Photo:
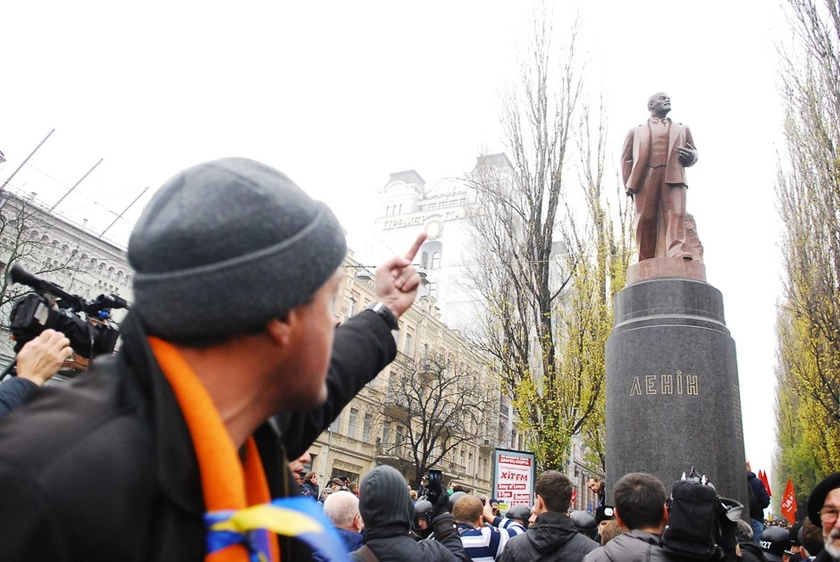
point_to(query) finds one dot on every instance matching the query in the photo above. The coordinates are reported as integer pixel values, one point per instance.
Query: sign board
(514, 475)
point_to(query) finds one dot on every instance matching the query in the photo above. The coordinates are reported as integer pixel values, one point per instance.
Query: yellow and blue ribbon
(298, 517)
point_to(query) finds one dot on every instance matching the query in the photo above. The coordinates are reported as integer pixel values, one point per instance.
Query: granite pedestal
(673, 398)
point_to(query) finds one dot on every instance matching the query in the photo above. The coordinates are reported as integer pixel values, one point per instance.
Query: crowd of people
(383, 520)
(178, 447)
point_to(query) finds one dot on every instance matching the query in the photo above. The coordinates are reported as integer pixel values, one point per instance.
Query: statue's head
(659, 104)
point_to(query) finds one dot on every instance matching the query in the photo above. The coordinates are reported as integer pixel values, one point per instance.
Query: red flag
(763, 477)
(789, 503)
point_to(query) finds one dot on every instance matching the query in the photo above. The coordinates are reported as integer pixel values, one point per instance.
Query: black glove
(441, 505)
(444, 526)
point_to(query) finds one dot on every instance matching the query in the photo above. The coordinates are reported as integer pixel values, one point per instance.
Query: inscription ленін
(665, 384)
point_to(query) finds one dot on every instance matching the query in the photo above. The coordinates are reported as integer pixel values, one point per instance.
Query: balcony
(398, 456)
(395, 405)
(456, 469)
(404, 362)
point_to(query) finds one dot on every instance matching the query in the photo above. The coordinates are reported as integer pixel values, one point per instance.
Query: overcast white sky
(341, 94)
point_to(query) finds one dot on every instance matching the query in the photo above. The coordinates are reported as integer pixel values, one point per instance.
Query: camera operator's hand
(441, 505)
(487, 513)
(397, 280)
(41, 357)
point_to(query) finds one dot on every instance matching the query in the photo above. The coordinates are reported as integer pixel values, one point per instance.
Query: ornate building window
(386, 433)
(366, 425)
(430, 255)
(409, 340)
(352, 422)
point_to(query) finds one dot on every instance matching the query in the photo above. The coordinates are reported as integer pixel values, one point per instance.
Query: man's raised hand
(397, 280)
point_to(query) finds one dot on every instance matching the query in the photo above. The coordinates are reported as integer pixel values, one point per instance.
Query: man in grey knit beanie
(236, 270)
(226, 246)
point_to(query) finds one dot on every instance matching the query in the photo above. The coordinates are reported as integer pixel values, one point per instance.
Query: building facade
(408, 204)
(373, 429)
(57, 251)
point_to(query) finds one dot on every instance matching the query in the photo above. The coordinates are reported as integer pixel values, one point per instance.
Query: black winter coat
(824, 556)
(759, 499)
(103, 468)
(551, 538)
(751, 552)
(406, 549)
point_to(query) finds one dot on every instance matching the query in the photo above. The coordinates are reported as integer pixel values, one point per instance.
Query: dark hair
(639, 500)
(555, 489)
(812, 537)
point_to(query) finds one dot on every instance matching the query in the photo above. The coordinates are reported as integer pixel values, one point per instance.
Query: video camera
(51, 307)
(434, 487)
(424, 509)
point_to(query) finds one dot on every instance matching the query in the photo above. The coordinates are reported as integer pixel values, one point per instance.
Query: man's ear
(280, 330)
(618, 518)
(665, 515)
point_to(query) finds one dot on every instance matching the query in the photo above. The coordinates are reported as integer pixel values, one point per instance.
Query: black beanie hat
(818, 494)
(604, 513)
(384, 503)
(225, 246)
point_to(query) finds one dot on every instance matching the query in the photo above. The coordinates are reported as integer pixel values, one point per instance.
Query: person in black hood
(388, 512)
(553, 536)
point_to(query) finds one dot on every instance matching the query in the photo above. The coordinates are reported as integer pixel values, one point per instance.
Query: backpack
(699, 527)
(692, 531)
(757, 503)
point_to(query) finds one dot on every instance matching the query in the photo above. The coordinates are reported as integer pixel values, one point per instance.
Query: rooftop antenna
(22, 164)
(124, 211)
(69, 191)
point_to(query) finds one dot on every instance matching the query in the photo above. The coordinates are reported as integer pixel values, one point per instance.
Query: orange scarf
(226, 484)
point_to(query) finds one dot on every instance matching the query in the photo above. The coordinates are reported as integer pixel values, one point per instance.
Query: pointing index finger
(416, 246)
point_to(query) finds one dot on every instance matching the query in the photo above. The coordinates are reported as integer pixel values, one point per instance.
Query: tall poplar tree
(550, 253)
(808, 191)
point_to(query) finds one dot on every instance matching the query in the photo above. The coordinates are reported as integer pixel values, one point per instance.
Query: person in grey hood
(553, 536)
(388, 511)
(639, 507)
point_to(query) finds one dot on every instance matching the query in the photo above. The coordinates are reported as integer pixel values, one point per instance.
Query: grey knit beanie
(225, 246)
(384, 503)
